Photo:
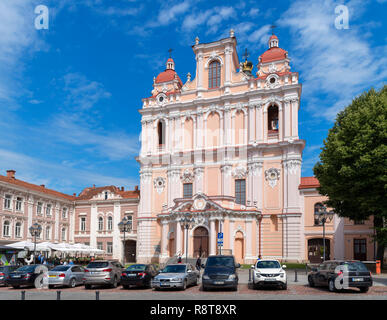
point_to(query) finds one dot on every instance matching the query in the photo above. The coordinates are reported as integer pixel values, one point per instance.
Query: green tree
(353, 163)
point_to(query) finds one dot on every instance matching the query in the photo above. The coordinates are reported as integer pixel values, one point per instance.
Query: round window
(272, 80)
(161, 99)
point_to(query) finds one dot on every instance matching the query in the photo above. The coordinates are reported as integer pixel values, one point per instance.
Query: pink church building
(220, 154)
(222, 151)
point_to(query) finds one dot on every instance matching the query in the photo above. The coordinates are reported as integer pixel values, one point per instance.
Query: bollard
(23, 295)
(58, 295)
(97, 295)
(295, 275)
(378, 267)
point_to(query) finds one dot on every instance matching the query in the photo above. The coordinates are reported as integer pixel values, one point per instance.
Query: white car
(269, 272)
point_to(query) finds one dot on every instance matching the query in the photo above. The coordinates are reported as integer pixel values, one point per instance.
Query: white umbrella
(44, 246)
(21, 245)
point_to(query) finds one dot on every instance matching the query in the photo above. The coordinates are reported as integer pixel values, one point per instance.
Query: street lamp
(187, 222)
(322, 215)
(125, 226)
(35, 231)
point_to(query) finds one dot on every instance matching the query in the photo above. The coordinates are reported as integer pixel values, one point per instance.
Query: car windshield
(136, 267)
(268, 265)
(220, 262)
(60, 268)
(102, 264)
(26, 269)
(174, 269)
(355, 266)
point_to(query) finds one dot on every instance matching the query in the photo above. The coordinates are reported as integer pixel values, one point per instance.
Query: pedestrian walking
(179, 258)
(198, 263)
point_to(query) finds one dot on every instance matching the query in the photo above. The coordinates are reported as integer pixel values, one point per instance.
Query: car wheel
(364, 289)
(88, 286)
(331, 285)
(285, 286)
(125, 286)
(184, 284)
(72, 283)
(311, 281)
(15, 287)
(235, 288)
(115, 283)
(196, 281)
(204, 288)
(51, 286)
(39, 282)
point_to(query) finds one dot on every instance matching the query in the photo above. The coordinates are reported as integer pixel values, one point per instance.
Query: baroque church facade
(220, 156)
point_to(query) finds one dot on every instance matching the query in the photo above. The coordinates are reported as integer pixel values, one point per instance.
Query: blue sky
(69, 95)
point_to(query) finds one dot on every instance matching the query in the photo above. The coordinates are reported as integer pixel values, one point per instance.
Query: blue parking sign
(220, 235)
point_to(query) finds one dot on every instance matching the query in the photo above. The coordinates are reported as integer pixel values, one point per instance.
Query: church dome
(274, 53)
(169, 74)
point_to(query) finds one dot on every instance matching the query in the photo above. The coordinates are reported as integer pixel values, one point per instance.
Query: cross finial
(272, 27)
(246, 54)
(170, 52)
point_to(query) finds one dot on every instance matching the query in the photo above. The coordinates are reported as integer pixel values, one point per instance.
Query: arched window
(161, 133)
(272, 118)
(6, 228)
(48, 233)
(317, 208)
(18, 230)
(214, 75)
(110, 223)
(100, 224)
(63, 234)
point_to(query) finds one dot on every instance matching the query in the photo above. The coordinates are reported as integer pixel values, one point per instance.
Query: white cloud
(337, 64)
(82, 93)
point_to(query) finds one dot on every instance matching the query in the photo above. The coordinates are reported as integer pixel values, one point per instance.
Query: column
(212, 237)
(295, 118)
(264, 123)
(287, 121)
(280, 123)
(249, 238)
(55, 207)
(93, 225)
(164, 239)
(231, 235)
(178, 237)
(29, 219)
(259, 124)
(251, 127)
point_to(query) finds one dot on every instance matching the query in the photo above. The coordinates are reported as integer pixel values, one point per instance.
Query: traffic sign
(220, 235)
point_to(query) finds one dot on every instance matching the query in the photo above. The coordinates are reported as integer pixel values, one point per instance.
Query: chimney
(74, 194)
(11, 174)
(122, 188)
(42, 185)
(93, 186)
(135, 188)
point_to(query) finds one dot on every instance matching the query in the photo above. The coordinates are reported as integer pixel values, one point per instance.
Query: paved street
(296, 290)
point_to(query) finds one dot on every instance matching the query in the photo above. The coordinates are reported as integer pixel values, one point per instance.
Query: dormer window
(214, 75)
(106, 195)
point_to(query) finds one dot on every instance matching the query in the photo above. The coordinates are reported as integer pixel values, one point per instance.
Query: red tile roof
(35, 187)
(90, 192)
(168, 75)
(308, 182)
(273, 54)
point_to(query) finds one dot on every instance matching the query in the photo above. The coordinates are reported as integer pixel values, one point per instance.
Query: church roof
(89, 193)
(168, 75)
(273, 54)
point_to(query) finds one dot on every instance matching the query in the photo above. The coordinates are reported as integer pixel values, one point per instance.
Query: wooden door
(200, 242)
(360, 249)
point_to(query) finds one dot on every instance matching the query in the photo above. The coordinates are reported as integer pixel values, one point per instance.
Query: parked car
(139, 275)
(103, 272)
(30, 275)
(269, 272)
(178, 276)
(69, 275)
(220, 272)
(4, 272)
(325, 274)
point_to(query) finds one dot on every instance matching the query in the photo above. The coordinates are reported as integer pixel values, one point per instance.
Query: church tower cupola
(170, 64)
(273, 41)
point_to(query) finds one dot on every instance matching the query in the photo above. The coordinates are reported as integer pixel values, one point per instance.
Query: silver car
(103, 272)
(69, 275)
(178, 276)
